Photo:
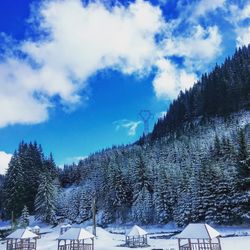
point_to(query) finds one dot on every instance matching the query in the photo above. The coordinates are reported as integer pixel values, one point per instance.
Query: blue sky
(74, 75)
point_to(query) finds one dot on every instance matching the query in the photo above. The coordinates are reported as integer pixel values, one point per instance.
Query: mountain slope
(224, 91)
(195, 166)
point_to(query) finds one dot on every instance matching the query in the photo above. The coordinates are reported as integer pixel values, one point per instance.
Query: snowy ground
(111, 241)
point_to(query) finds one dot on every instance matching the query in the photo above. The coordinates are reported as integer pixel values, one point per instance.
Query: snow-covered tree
(164, 196)
(74, 204)
(14, 189)
(24, 219)
(243, 178)
(45, 200)
(22, 178)
(142, 208)
(85, 208)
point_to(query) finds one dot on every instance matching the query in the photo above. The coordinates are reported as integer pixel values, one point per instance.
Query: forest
(193, 167)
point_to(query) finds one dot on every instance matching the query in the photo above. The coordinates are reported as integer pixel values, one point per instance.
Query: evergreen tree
(142, 208)
(1, 195)
(217, 147)
(243, 174)
(183, 207)
(45, 200)
(85, 208)
(50, 167)
(14, 189)
(31, 157)
(211, 180)
(243, 160)
(74, 205)
(163, 197)
(24, 219)
(22, 178)
(142, 177)
(121, 198)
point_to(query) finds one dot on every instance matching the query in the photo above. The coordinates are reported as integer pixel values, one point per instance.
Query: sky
(74, 74)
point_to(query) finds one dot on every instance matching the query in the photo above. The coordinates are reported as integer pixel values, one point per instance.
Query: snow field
(109, 241)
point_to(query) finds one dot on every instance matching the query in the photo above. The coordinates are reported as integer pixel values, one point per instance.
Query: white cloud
(237, 14)
(245, 14)
(243, 36)
(81, 40)
(170, 80)
(84, 39)
(4, 161)
(198, 47)
(97, 37)
(16, 98)
(239, 17)
(130, 126)
(205, 6)
(198, 44)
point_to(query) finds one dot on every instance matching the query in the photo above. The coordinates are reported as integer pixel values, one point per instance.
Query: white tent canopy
(198, 231)
(76, 234)
(22, 234)
(137, 231)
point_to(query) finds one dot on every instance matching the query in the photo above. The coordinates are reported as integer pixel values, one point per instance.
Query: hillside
(194, 166)
(222, 92)
(193, 178)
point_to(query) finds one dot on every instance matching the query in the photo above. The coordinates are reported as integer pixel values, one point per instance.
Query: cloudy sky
(74, 75)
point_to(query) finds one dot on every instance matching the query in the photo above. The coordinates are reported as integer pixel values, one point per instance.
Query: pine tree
(50, 167)
(243, 171)
(14, 189)
(183, 207)
(142, 208)
(85, 204)
(142, 177)
(24, 219)
(74, 204)
(196, 195)
(217, 147)
(45, 200)
(1, 195)
(22, 178)
(31, 157)
(163, 197)
(211, 192)
(121, 197)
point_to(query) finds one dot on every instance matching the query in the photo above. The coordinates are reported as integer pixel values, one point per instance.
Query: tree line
(180, 181)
